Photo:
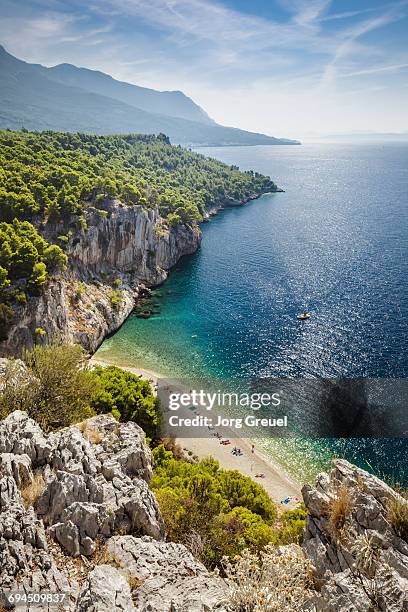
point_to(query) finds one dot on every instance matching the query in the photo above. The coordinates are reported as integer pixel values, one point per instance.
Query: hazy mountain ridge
(40, 98)
(172, 103)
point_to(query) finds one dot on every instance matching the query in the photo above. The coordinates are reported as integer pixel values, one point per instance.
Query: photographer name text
(236, 423)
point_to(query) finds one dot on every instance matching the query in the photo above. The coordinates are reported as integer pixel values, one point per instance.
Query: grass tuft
(339, 509)
(32, 491)
(398, 516)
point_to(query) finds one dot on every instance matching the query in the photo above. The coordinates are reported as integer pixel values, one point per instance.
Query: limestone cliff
(112, 258)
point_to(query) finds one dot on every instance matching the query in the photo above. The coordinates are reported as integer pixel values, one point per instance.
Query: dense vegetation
(26, 260)
(216, 512)
(48, 178)
(127, 397)
(25, 257)
(57, 388)
(58, 174)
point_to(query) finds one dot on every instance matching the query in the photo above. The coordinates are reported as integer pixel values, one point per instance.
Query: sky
(294, 68)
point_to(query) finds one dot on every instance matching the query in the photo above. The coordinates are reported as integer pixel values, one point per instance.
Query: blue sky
(284, 67)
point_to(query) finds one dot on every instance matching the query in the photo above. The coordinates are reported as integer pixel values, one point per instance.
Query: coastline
(278, 484)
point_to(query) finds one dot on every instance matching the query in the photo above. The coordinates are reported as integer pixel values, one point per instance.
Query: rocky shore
(119, 252)
(115, 255)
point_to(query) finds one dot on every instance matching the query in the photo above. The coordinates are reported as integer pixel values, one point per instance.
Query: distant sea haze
(335, 244)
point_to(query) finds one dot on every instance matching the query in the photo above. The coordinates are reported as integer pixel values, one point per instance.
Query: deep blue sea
(335, 243)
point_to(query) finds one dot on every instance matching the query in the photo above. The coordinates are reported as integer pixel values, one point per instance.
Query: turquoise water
(335, 243)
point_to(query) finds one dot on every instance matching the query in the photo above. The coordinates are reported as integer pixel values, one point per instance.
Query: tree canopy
(48, 179)
(127, 397)
(57, 174)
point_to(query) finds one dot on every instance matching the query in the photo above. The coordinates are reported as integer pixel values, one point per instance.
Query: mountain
(172, 103)
(66, 98)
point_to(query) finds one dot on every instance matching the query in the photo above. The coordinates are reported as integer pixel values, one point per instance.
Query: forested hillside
(50, 178)
(57, 174)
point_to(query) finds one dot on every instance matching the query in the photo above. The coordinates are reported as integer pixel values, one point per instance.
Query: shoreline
(278, 484)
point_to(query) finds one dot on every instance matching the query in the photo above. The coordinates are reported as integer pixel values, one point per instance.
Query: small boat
(304, 316)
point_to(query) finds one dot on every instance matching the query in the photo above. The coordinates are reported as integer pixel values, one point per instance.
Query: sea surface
(336, 244)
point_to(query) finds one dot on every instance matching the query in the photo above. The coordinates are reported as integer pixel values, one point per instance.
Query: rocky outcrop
(105, 589)
(77, 516)
(112, 258)
(169, 576)
(360, 562)
(64, 499)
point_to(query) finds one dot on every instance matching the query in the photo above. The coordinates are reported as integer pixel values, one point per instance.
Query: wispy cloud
(349, 36)
(276, 62)
(350, 14)
(306, 12)
(35, 37)
(376, 70)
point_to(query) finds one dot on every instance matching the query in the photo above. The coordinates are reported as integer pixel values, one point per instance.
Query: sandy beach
(277, 483)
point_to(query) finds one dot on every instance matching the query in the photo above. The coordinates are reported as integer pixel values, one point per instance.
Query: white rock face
(332, 553)
(20, 435)
(127, 240)
(127, 245)
(89, 493)
(170, 578)
(105, 589)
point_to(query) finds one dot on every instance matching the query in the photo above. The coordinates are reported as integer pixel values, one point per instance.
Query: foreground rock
(105, 589)
(65, 496)
(360, 562)
(77, 516)
(169, 576)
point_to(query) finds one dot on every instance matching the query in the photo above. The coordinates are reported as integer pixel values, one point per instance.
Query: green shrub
(127, 397)
(20, 297)
(173, 219)
(55, 258)
(25, 256)
(55, 388)
(38, 278)
(115, 298)
(4, 280)
(223, 510)
(292, 528)
(83, 223)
